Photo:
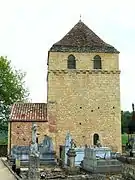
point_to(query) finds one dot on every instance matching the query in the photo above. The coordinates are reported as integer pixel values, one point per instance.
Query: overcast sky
(28, 28)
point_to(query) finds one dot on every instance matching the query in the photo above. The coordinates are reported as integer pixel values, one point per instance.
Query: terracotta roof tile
(29, 112)
(82, 39)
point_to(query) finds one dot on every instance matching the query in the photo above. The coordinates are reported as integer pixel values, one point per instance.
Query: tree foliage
(126, 117)
(12, 89)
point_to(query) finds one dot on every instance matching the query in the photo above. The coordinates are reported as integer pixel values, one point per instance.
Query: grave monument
(65, 148)
(100, 160)
(131, 131)
(34, 162)
(47, 153)
(45, 149)
(71, 155)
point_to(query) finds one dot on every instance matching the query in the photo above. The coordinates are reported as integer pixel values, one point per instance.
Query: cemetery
(38, 161)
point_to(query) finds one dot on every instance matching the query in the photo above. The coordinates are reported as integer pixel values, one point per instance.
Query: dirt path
(5, 174)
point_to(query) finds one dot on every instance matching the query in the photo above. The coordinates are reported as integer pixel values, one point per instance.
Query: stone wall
(87, 100)
(84, 61)
(21, 133)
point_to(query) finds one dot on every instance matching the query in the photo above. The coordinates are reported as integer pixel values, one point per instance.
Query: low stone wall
(3, 150)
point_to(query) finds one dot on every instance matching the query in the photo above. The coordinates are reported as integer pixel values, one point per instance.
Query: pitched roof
(29, 112)
(82, 39)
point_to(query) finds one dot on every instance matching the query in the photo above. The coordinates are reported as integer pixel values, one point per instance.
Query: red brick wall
(21, 132)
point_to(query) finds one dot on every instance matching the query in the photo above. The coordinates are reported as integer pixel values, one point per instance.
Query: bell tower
(84, 82)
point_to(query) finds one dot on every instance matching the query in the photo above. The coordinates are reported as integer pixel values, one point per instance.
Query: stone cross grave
(33, 172)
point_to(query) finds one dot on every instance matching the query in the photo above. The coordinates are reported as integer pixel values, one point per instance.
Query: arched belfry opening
(95, 139)
(97, 62)
(71, 63)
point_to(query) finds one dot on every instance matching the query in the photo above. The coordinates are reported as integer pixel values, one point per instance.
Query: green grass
(124, 138)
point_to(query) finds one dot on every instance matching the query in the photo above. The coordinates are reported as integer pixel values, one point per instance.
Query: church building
(83, 85)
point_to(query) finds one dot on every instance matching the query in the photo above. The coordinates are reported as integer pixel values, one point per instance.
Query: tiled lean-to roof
(29, 112)
(82, 39)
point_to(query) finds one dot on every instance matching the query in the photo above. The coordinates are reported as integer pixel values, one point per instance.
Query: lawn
(124, 138)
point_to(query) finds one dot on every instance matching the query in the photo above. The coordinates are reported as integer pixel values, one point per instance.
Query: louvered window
(97, 62)
(71, 63)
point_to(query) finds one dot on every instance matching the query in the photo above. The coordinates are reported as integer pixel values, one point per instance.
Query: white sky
(28, 28)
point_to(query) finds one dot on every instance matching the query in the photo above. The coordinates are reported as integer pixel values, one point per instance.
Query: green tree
(12, 89)
(126, 117)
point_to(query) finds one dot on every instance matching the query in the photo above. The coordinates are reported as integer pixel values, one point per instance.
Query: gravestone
(45, 148)
(131, 129)
(47, 153)
(71, 155)
(99, 160)
(79, 155)
(21, 152)
(68, 139)
(33, 172)
(65, 148)
(71, 169)
(67, 145)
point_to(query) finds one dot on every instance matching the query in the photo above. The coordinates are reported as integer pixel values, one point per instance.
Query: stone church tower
(84, 89)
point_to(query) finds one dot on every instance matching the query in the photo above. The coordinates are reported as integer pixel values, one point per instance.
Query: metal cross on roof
(133, 106)
(80, 17)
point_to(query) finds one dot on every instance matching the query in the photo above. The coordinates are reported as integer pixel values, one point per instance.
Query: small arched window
(71, 63)
(97, 62)
(95, 139)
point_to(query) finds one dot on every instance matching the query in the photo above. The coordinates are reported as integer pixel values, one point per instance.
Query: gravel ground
(5, 174)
